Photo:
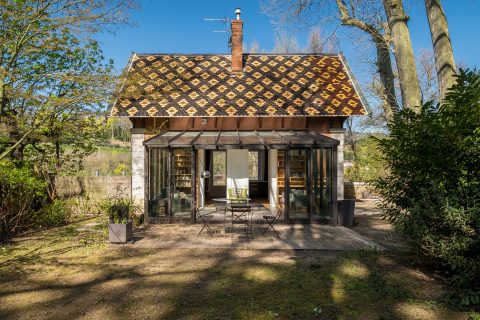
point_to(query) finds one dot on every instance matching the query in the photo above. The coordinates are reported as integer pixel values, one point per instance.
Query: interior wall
(237, 169)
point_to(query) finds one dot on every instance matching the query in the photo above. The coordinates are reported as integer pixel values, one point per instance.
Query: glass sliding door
(322, 184)
(299, 195)
(159, 184)
(181, 183)
(170, 188)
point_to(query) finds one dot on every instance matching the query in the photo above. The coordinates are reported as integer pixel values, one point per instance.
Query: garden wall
(98, 187)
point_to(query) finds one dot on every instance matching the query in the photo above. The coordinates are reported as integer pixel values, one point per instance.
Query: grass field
(70, 273)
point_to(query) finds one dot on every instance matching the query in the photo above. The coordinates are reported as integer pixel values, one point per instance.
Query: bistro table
(225, 204)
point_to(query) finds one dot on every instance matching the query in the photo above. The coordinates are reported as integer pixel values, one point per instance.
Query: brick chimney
(236, 43)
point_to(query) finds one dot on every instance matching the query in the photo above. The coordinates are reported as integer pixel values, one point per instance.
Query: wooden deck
(296, 236)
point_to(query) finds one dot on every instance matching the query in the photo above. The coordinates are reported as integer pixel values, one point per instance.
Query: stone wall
(358, 190)
(138, 166)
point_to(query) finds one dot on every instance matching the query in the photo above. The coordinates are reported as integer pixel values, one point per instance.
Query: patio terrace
(228, 236)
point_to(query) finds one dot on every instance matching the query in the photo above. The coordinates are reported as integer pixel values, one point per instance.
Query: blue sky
(165, 26)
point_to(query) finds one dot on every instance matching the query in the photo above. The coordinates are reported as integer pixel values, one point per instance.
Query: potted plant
(119, 210)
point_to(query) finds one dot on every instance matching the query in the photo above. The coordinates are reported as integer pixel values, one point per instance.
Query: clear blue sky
(169, 26)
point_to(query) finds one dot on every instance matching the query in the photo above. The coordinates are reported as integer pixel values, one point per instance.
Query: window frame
(260, 165)
(213, 169)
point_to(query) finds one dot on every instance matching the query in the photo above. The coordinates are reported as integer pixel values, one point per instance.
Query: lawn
(67, 273)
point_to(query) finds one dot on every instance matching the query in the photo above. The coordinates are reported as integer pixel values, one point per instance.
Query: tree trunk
(384, 65)
(403, 51)
(384, 62)
(442, 46)
(2, 94)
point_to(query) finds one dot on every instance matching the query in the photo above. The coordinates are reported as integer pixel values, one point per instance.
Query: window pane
(299, 195)
(219, 168)
(323, 184)
(253, 165)
(182, 188)
(159, 186)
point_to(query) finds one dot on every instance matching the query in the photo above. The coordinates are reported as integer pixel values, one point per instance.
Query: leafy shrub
(54, 214)
(21, 195)
(119, 208)
(432, 191)
(368, 164)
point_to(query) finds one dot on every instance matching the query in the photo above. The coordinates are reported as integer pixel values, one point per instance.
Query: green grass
(67, 273)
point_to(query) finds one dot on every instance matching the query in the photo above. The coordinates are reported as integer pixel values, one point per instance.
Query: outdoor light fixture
(205, 174)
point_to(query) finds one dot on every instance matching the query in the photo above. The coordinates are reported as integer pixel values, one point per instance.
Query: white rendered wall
(237, 169)
(138, 166)
(272, 178)
(201, 168)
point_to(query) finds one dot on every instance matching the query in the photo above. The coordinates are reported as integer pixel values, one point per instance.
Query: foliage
(55, 82)
(119, 208)
(107, 159)
(368, 162)
(21, 195)
(432, 191)
(84, 205)
(120, 169)
(53, 214)
(119, 129)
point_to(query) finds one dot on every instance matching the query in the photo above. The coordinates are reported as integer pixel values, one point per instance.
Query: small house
(268, 127)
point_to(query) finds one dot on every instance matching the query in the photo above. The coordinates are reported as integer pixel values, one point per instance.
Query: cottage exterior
(265, 126)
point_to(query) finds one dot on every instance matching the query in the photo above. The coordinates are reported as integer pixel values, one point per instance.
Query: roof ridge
(245, 54)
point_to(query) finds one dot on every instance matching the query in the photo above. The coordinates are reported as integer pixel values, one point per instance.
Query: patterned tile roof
(270, 85)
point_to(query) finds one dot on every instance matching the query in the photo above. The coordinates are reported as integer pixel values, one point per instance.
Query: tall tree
(317, 43)
(285, 43)
(403, 51)
(366, 16)
(442, 46)
(383, 60)
(49, 65)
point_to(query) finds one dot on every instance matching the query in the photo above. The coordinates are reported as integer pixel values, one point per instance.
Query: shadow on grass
(124, 283)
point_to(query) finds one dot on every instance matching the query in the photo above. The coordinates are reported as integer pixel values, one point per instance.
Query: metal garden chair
(271, 220)
(205, 219)
(240, 214)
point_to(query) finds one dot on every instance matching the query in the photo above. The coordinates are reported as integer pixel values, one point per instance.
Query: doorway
(218, 164)
(308, 183)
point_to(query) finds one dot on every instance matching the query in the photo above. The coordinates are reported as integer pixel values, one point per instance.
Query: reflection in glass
(299, 197)
(181, 182)
(253, 165)
(322, 184)
(159, 185)
(177, 188)
(219, 168)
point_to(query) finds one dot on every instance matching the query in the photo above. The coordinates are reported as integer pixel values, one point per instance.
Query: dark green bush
(432, 191)
(21, 195)
(53, 214)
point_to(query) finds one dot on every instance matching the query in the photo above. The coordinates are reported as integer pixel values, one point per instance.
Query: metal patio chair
(271, 220)
(205, 219)
(241, 214)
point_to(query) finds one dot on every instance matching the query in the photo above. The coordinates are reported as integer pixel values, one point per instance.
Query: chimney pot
(237, 43)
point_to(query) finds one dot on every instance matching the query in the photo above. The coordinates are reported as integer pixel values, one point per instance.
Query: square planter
(346, 210)
(120, 232)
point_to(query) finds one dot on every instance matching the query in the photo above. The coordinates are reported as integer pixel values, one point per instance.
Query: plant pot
(346, 210)
(120, 232)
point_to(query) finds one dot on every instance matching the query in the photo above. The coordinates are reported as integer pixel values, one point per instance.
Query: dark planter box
(120, 232)
(346, 210)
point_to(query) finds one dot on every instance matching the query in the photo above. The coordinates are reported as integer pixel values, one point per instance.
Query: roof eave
(121, 85)
(356, 85)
